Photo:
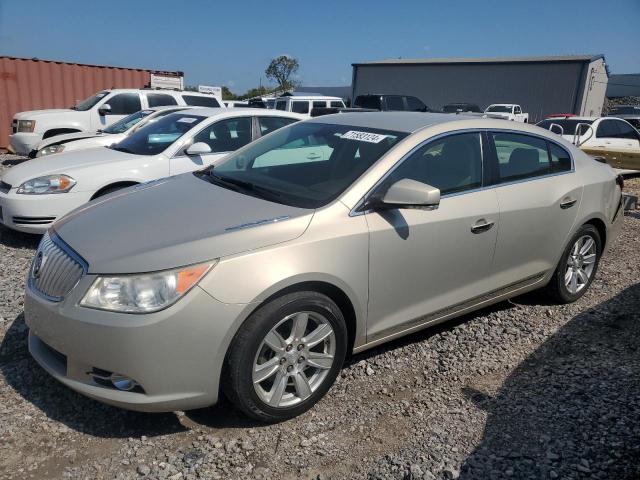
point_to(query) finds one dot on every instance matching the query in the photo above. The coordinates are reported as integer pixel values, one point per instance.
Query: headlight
(47, 184)
(26, 125)
(143, 293)
(51, 149)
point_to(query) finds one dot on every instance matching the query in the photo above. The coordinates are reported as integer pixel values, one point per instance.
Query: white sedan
(37, 192)
(102, 138)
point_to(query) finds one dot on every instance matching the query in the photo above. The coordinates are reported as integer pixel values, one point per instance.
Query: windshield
(126, 123)
(91, 101)
(499, 108)
(367, 101)
(568, 125)
(307, 164)
(158, 135)
(625, 111)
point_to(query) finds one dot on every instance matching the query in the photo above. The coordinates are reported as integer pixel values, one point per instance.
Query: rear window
(625, 111)
(198, 101)
(367, 101)
(568, 125)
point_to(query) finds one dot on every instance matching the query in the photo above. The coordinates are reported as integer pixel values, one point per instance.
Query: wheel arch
(118, 184)
(52, 132)
(601, 227)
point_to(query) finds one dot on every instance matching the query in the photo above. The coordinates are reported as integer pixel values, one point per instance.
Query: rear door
(539, 196)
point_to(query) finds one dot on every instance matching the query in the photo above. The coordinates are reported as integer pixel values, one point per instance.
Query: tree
(228, 94)
(280, 69)
(255, 92)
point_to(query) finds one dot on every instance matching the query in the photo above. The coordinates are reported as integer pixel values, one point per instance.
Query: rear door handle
(568, 202)
(481, 226)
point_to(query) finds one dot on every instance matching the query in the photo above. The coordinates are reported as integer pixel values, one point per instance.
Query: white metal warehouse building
(541, 85)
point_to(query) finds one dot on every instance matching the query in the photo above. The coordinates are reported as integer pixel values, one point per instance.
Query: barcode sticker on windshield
(363, 136)
(187, 120)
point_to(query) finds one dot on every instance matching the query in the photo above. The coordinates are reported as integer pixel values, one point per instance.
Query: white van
(96, 113)
(304, 104)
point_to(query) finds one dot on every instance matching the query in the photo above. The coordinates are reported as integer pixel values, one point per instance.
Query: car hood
(173, 222)
(34, 114)
(95, 141)
(62, 163)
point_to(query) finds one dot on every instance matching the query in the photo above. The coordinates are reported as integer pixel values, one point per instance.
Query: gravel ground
(523, 389)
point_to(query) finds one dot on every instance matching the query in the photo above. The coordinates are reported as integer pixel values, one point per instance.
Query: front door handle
(568, 202)
(481, 225)
(313, 156)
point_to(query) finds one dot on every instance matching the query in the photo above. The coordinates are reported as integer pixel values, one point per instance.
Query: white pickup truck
(507, 111)
(96, 113)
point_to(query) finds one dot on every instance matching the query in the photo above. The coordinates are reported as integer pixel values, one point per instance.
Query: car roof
(309, 97)
(408, 122)
(212, 111)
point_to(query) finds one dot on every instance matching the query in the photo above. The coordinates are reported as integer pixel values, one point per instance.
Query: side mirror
(198, 148)
(104, 109)
(407, 193)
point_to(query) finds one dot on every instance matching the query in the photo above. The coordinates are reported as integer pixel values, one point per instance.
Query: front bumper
(175, 355)
(23, 142)
(36, 213)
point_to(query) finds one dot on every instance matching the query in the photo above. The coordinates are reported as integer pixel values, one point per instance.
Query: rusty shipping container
(33, 84)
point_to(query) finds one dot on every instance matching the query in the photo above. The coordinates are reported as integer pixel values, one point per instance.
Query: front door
(427, 263)
(223, 137)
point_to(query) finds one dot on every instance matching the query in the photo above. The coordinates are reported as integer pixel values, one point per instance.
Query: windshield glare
(158, 135)
(499, 109)
(308, 165)
(91, 101)
(126, 123)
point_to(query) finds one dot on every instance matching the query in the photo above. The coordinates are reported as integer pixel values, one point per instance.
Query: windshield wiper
(120, 149)
(243, 184)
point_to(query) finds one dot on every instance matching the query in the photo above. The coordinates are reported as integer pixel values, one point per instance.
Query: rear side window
(626, 131)
(337, 104)
(520, 156)
(453, 164)
(415, 105)
(560, 159)
(124, 103)
(281, 105)
(318, 104)
(198, 101)
(160, 99)
(395, 103)
(300, 106)
(607, 129)
(270, 124)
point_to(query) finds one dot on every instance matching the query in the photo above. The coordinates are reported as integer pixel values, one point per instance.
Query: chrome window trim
(356, 212)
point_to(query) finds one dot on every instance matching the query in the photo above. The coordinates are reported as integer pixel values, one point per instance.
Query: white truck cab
(304, 104)
(95, 113)
(508, 111)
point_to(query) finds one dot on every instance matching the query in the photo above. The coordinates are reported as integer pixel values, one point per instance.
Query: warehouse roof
(35, 59)
(436, 61)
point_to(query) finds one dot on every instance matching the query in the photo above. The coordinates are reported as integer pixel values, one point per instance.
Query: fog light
(123, 383)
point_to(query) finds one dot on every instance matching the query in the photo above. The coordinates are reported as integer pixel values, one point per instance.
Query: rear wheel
(286, 356)
(577, 267)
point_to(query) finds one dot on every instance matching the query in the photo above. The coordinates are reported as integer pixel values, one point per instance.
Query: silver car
(257, 277)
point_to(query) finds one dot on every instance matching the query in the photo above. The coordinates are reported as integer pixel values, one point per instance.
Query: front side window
(160, 99)
(126, 123)
(368, 101)
(91, 101)
(415, 105)
(520, 156)
(271, 124)
(200, 101)
(281, 105)
(395, 103)
(226, 135)
(452, 164)
(158, 135)
(307, 164)
(626, 131)
(124, 103)
(300, 106)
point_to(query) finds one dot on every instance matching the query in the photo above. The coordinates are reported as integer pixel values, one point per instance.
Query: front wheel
(577, 267)
(286, 356)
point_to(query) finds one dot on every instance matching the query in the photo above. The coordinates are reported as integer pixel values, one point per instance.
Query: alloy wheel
(580, 264)
(294, 359)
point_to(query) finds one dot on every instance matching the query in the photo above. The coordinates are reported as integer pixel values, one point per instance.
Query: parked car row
(247, 252)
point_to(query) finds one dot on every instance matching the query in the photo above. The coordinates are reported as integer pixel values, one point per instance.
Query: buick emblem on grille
(37, 265)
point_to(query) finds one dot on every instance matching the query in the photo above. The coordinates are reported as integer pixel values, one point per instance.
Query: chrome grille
(55, 269)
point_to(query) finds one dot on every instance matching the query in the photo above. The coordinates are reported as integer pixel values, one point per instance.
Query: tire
(249, 349)
(558, 289)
